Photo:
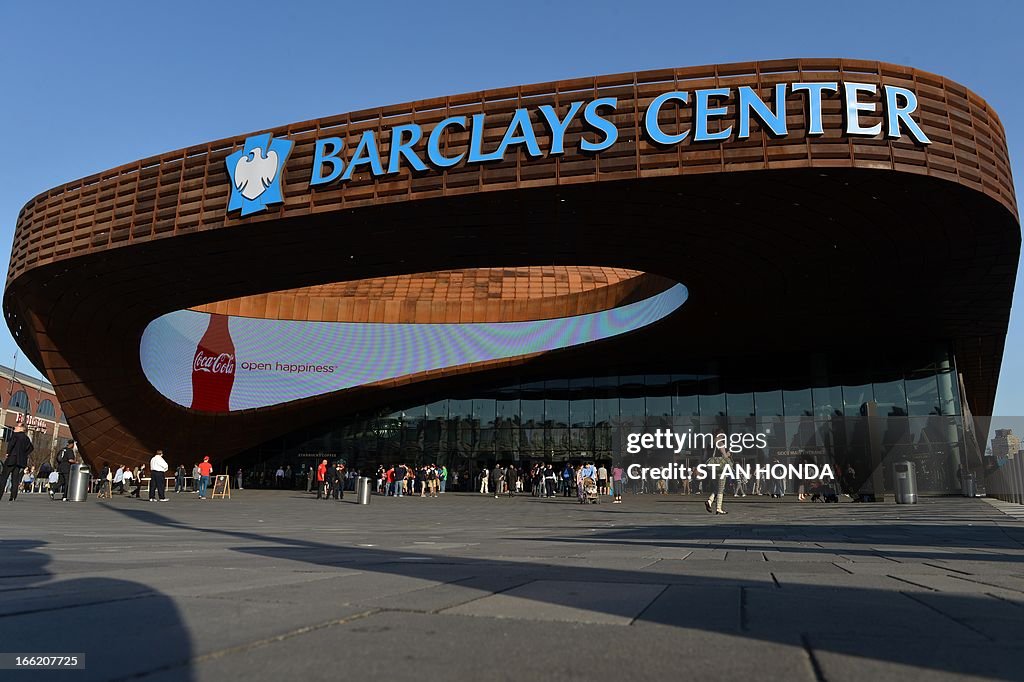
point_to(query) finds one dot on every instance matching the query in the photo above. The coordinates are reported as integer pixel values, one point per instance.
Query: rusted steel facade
(787, 235)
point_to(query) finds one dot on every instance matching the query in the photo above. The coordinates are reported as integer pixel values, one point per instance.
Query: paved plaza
(275, 585)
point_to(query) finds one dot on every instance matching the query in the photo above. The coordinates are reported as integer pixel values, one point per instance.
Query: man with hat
(205, 469)
(338, 480)
(65, 458)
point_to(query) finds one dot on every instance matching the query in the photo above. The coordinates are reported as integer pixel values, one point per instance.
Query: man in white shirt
(158, 477)
(126, 480)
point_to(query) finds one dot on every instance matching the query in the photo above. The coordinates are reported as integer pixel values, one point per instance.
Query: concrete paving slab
(471, 648)
(913, 658)
(272, 583)
(574, 602)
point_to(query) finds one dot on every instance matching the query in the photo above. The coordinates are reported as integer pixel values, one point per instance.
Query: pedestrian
(106, 476)
(602, 480)
(125, 478)
(511, 480)
(338, 481)
(719, 458)
(158, 477)
(550, 480)
(179, 479)
(65, 458)
(443, 478)
(567, 476)
(741, 483)
(279, 477)
(238, 479)
(322, 481)
(27, 480)
(205, 469)
(778, 485)
(19, 447)
(119, 479)
(484, 480)
(140, 472)
(497, 476)
(42, 476)
(617, 482)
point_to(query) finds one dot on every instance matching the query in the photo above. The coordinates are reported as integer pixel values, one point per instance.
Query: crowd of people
(587, 481)
(537, 480)
(127, 480)
(402, 480)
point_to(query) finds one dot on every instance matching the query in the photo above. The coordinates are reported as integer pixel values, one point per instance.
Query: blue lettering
(434, 143)
(476, 141)
(558, 126)
(365, 154)
(705, 112)
(814, 91)
(896, 113)
(322, 155)
(400, 148)
(520, 122)
(854, 107)
(651, 125)
(750, 102)
(593, 119)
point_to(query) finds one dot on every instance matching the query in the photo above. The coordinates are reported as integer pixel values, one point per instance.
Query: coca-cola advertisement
(213, 368)
(218, 363)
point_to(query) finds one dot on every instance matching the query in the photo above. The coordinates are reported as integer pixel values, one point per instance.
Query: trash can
(905, 477)
(78, 484)
(970, 485)
(363, 490)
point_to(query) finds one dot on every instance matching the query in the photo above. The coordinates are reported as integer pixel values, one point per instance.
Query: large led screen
(216, 363)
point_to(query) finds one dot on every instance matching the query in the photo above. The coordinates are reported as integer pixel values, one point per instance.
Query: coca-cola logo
(216, 364)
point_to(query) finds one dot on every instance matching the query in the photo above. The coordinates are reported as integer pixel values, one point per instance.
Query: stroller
(589, 491)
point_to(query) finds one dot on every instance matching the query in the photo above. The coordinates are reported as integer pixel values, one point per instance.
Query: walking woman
(719, 457)
(106, 478)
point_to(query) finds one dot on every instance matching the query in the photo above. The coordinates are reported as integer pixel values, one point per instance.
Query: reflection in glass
(712, 405)
(768, 403)
(923, 396)
(855, 399)
(798, 403)
(828, 401)
(570, 419)
(892, 401)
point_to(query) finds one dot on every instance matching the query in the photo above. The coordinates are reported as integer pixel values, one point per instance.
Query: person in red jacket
(321, 480)
(205, 469)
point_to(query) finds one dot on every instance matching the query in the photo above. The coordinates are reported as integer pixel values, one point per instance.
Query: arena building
(794, 247)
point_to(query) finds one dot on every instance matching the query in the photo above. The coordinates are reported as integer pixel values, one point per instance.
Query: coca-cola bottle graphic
(213, 368)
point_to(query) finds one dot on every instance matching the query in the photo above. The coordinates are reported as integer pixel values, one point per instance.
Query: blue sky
(90, 86)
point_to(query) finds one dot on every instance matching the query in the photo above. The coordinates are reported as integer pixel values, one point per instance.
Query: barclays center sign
(256, 169)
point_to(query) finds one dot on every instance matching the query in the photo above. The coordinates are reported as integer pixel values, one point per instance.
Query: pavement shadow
(943, 541)
(97, 617)
(864, 623)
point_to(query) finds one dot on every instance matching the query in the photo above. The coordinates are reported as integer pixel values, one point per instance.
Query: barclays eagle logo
(255, 172)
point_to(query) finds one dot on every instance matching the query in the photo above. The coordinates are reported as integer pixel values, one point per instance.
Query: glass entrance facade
(919, 418)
